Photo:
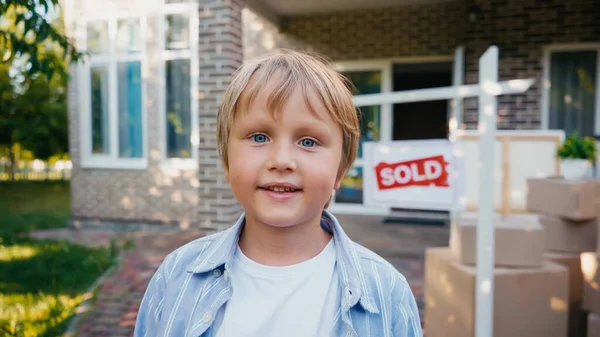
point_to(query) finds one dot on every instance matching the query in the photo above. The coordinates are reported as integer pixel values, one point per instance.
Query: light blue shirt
(187, 294)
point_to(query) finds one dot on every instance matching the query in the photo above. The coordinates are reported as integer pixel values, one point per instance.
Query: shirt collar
(353, 278)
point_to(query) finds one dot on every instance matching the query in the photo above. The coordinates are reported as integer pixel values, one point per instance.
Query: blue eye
(307, 142)
(259, 138)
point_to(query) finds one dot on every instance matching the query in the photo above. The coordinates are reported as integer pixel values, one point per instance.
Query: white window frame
(545, 104)
(191, 9)
(112, 159)
(387, 116)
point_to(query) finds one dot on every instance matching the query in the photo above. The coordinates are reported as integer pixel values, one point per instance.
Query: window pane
(351, 189)
(178, 31)
(97, 37)
(130, 109)
(178, 109)
(100, 117)
(572, 91)
(129, 39)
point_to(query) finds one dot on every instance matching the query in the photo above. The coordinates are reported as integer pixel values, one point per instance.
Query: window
(113, 123)
(179, 72)
(571, 101)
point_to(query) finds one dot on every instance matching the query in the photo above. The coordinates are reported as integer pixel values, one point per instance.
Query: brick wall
(261, 36)
(520, 29)
(417, 30)
(150, 195)
(220, 55)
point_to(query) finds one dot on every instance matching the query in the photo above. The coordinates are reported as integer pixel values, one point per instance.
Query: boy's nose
(281, 158)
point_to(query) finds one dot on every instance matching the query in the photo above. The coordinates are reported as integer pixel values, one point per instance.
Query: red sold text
(418, 172)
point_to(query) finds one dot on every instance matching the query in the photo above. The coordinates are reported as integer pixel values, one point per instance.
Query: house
(142, 108)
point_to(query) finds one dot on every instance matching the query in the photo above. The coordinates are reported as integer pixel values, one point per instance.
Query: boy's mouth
(280, 188)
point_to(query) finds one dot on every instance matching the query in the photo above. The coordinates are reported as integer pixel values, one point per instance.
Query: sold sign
(419, 172)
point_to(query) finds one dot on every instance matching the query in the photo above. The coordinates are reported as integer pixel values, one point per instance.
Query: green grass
(41, 282)
(25, 206)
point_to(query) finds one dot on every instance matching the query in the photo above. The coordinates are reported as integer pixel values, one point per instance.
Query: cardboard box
(571, 199)
(527, 302)
(577, 316)
(563, 235)
(590, 268)
(519, 241)
(593, 325)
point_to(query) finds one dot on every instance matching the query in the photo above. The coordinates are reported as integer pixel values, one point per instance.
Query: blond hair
(298, 69)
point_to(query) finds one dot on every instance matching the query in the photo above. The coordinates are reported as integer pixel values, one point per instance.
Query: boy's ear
(226, 171)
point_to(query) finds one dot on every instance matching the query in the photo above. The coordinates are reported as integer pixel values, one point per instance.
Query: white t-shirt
(298, 300)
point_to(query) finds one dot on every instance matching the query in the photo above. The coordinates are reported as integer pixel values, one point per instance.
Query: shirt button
(217, 272)
(207, 317)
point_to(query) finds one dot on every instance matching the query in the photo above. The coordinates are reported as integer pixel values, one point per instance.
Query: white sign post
(487, 90)
(484, 296)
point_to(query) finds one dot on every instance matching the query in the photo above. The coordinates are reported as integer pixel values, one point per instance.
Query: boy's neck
(282, 246)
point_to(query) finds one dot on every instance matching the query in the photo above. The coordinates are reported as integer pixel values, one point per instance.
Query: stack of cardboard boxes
(568, 212)
(547, 267)
(530, 292)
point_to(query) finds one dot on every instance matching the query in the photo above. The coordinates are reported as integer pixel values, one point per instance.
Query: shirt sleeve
(150, 311)
(408, 322)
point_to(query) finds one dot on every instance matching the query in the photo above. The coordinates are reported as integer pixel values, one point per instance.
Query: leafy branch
(27, 32)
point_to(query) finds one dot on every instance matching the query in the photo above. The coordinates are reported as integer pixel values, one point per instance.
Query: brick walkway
(121, 293)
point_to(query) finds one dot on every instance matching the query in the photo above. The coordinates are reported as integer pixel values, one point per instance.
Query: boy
(287, 133)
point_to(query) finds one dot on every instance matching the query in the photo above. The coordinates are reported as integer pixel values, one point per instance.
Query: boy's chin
(282, 219)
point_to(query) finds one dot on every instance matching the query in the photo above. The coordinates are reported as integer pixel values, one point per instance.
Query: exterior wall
(520, 29)
(416, 30)
(149, 195)
(420, 30)
(221, 53)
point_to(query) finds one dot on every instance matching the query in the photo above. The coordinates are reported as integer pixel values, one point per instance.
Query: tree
(33, 82)
(26, 27)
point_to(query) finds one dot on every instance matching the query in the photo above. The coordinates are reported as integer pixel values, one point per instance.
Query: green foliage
(33, 112)
(34, 54)
(577, 147)
(42, 109)
(28, 32)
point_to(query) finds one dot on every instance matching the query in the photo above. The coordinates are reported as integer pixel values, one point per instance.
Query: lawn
(41, 282)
